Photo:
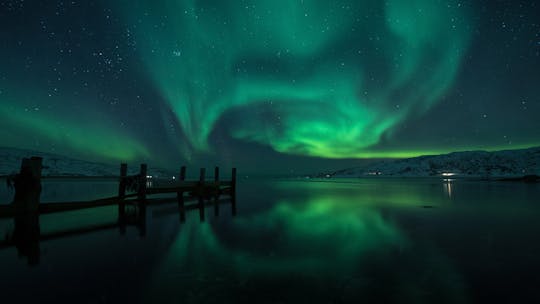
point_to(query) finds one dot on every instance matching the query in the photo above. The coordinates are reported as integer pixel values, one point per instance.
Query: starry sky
(268, 85)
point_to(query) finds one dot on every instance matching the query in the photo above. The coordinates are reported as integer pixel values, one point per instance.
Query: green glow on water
(328, 235)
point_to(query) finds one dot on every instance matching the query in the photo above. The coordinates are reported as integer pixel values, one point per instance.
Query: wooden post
(201, 194)
(122, 190)
(26, 205)
(217, 191)
(201, 182)
(142, 183)
(182, 215)
(183, 173)
(201, 212)
(141, 220)
(233, 205)
(202, 176)
(233, 182)
(28, 186)
(141, 215)
(180, 195)
(26, 236)
(216, 183)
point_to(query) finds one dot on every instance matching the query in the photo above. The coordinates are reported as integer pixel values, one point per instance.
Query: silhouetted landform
(26, 207)
(533, 178)
(62, 166)
(522, 164)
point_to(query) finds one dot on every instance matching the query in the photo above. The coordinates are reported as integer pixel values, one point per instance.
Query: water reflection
(25, 237)
(322, 242)
(323, 248)
(447, 186)
(26, 233)
(328, 227)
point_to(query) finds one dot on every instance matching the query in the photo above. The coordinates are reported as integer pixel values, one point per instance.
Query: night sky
(268, 84)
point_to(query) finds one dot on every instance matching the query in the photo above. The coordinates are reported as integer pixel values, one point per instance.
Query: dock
(27, 186)
(135, 193)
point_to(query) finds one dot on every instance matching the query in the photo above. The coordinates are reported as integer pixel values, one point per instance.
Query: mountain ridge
(503, 163)
(59, 165)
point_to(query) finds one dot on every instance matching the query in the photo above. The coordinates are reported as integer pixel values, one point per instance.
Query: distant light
(448, 174)
(173, 178)
(327, 175)
(149, 176)
(374, 173)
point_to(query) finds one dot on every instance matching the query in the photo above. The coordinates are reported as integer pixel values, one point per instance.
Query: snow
(58, 165)
(507, 163)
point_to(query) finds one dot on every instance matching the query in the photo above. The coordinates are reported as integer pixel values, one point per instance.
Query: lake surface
(292, 241)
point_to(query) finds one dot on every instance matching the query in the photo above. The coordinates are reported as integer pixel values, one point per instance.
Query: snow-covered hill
(507, 163)
(58, 165)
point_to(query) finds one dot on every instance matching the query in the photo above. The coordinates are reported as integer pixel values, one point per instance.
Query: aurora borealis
(279, 82)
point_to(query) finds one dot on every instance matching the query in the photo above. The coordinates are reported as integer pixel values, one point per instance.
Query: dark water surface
(370, 241)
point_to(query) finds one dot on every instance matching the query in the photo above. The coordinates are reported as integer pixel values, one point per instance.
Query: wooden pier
(135, 193)
(27, 186)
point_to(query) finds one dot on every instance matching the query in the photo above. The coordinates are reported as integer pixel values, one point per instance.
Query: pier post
(201, 194)
(122, 190)
(217, 191)
(142, 200)
(142, 183)
(183, 173)
(26, 236)
(233, 182)
(26, 206)
(201, 213)
(233, 206)
(141, 221)
(180, 195)
(216, 183)
(28, 186)
(201, 182)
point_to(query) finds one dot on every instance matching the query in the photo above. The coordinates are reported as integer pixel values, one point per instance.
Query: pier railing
(27, 186)
(26, 207)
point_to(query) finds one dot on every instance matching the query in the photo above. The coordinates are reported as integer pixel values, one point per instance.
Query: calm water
(375, 241)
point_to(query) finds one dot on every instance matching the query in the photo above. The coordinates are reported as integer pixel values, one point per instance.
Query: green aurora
(311, 78)
(79, 132)
(273, 81)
